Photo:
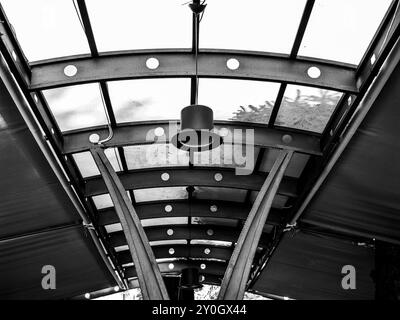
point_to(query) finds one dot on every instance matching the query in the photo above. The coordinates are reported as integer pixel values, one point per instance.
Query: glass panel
(240, 100)
(215, 221)
(46, 28)
(121, 248)
(76, 107)
(307, 108)
(341, 30)
(163, 221)
(155, 194)
(149, 99)
(102, 201)
(212, 242)
(228, 155)
(134, 24)
(155, 155)
(167, 242)
(260, 25)
(88, 167)
(295, 167)
(227, 194)
(113, 227)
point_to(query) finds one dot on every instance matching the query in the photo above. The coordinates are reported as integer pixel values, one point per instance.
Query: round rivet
(314, 72)
(170, 232)
(207, 251)
(168, 208)
(287, 138)
(70, 70)
(232, 64)
(152, 63)
(171, 251)
(87, 295)
(210, 232)
(171, 266)
(218, 177)
(213, 208)
(159, 131)
(165, 176)
(203, 266)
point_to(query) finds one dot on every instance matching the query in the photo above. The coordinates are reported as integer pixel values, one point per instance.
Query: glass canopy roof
(335, 34)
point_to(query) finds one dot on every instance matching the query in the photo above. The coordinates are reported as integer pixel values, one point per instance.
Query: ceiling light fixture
(197, 121)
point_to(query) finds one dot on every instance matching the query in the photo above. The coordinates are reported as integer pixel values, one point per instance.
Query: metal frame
(149, 276)
(236, 275)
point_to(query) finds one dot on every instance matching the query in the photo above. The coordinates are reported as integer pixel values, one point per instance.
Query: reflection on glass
(212, 242)
(102, 201)
(46, 28)
(155, 194)
(241, 100)
(163, 221)
(149, 99)
(88, 167)
(134, 24)
(266, 25)
(167, 242)
(307, 108)
(115, 227)
(341, 30)
(76, 107)
(215, 221)
(155, 155)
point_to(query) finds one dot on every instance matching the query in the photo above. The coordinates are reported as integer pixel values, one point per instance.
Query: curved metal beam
(212, 267)
(211, 63)
(182, 251)
(198, 208)
(182, 232)
(198, 176)
(138, 133)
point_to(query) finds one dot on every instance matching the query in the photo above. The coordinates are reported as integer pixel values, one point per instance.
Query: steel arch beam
(198, 176)
(180, 63)
(212, 267)
(239, 267)
(149, 276)
(182, 251)
(137, 134)
(198, 208)
(182, 232)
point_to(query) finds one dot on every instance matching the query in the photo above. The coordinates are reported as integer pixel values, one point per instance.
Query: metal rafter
(236, 276)
(151, 282)
(212, 63)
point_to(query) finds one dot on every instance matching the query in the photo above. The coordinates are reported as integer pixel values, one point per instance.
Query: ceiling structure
(297, 77)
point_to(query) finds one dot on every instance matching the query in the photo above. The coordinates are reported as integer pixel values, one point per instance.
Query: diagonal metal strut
(237, 273)
(147, 270)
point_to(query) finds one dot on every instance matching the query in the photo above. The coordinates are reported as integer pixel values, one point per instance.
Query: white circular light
(152, 63)
(171, 266)
(170, 232)
(171, 251)
(94, 138)
(203, 266)
(87, 295)
(233, 64)
(116, 288)
(287, 138)
(165, 176)
(70, 70)
(159, 132)
(223, 132)
(314, 72)
(207, 251)
(218, 177)
(168, 208)
(213, 208)
(210, 232)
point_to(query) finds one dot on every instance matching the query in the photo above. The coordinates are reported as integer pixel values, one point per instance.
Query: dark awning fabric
(38, 223)
(68, 250)
(306, 266)
(361, 194)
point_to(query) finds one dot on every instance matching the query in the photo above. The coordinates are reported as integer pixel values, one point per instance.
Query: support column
(237, 273)
(148, 273)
